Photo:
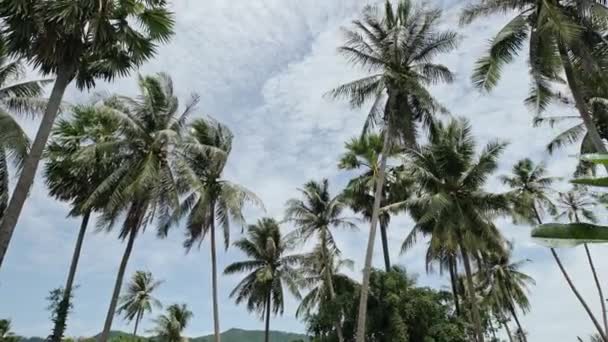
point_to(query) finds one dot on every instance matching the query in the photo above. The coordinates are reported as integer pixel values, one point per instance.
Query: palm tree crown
(169, 326)
(138, 298)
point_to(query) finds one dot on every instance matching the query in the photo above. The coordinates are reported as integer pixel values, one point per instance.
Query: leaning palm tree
(211, 201)
(72, 180)
(75, 41)
(169, 326)
(397, 47)
(270, 270)
(314, 216)
(138, 300)
(530, 189)
(144, 185)
(451, 206)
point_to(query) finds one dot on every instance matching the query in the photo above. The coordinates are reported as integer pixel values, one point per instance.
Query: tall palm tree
(138, 300)
(73, 40)
(169, 327)
(270, 270)
(144, 186)
(70, 179)
(451, 204)
(573, 205)
(559, 35)
(397, 47)
(210, 198)
(530, 189)
(17, 97)
(315, 215)
(363, 153)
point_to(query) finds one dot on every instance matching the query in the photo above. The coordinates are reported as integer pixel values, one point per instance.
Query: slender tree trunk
(137, 318)
(105, 334)
(330, 283)
(58, 330)
(216, 314)
(470, 289)
(385, 250)
(599, 288)
(361, 319)
(30, 165)
(519, 327)
(506, 326)
(267, 327)
(571, 284)
(453, 279)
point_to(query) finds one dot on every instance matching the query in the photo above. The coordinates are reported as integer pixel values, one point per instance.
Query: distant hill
(232, 335)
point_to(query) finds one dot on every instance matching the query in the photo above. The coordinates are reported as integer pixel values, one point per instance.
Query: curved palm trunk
(470, 293)
(361, 319)
(521, 334)
(453, 279)
(506, 326)
(137, 319)
(105, 334)
(267, 325)
(216, 314)
(385, 251)
(58, 329)
(599, 287)
(26, 178)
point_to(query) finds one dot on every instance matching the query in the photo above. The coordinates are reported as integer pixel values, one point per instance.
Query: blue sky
(262, 67)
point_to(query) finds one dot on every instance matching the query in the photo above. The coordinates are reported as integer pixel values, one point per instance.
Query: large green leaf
(569, 235)
(596, 158)
(601, 182)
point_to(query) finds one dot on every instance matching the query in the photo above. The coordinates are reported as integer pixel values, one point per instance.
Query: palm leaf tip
(569, 235)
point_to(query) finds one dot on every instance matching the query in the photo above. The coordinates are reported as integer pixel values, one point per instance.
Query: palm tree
(397, 47)
(73, 40)
(5, 332)
(270, 270)
(138, 298)
(144, 186)
(559, 35)
(452, 206)
(17, 97)
(530, 189)
(210, 198)
(363, 153)
(69, 179)
(315, 215)
(169, 327)
(575, 204)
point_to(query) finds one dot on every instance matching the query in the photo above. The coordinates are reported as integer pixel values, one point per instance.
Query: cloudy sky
(262, 67)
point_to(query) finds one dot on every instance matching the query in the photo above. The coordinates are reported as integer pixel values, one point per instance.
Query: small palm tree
(169, 327)
(74, 40)
(210, 198)
(138, 300)
(270, 270)
(5, 332)
(397, 47)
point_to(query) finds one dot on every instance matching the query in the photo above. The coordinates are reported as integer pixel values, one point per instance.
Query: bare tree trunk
(216, 314)
(30, 165)
(137, 318)
(470, 288)
(268, 306)
(361, 319)
(599, 287)
(330, 283)
(519, 326)
(385, 250)
(506, 326)
(453, 279)
(105, 334)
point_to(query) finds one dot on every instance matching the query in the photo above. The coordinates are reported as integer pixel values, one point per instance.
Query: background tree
(5, 331)
(75, 40)
(270, 269)
(169, 326)
(138, 300)
(397, 47)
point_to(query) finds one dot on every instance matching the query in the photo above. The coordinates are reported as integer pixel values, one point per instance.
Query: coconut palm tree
(70, 179)
(363, 153)
(5, 332)
(169, 326)
(145, 185)
(529, 195)
(314, 216)
(211, 201)
(451, 204)
(270, 269)
(138, 300)
(17, 97)
(397, 48)
(75, 41)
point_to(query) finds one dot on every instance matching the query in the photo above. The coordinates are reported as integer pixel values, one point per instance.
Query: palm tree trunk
(26, 178)
(453, 278)
(599, 288)
(506, 326)
(384, 237)
(105, 334)
(216, 314)
(519, 327)
(267, 327)
(361, 319)
(59, 327)
(137, 318)
(470, 288)
(571, 284)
